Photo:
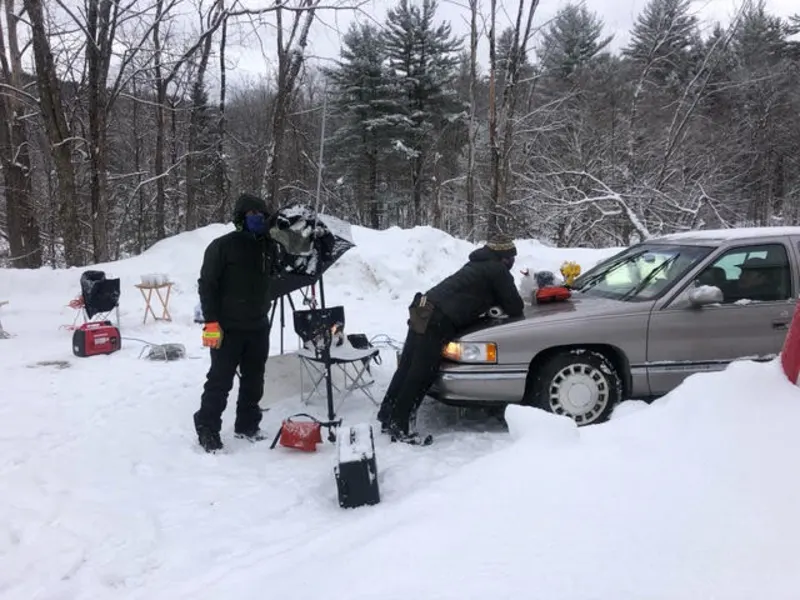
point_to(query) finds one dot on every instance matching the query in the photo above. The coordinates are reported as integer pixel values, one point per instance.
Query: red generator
(95, 338)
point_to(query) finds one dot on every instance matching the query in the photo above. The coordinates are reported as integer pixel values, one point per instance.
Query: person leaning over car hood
(485, 281)
(434, 319)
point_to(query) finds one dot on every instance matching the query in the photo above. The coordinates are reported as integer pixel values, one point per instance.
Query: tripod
(311, 302)
(283, 314)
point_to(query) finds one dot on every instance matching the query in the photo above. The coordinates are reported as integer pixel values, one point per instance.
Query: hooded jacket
(234, 283)
(479, 285)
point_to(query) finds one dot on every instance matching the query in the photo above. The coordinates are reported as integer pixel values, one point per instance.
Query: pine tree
(200, 160)
(572, 40)
(662, 39)
(505, 54)
(761, 41)
(793, 29)
(718, 100)
(763, 105)
(360, 142)
(422, 58)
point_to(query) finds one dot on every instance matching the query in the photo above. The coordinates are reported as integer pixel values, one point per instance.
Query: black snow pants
(248, 350)
(416, 371)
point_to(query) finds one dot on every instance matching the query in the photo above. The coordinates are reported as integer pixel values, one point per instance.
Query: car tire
(581, 384)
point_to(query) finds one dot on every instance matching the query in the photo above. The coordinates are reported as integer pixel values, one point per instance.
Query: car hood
(577, 307)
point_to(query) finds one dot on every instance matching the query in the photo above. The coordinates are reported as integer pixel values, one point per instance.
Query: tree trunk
(12, 188)
(221, 170)
(57, 131)
(174, 174)
(436, 216)
(194, 190)
(100, 30)
(374, 212)
(141, 235)
(161, 98)
(275, 152)
(23, 227)
(215, 19)
(501, 157)
(473, 127)
(494, 150)
(416, 182)
(290, 59)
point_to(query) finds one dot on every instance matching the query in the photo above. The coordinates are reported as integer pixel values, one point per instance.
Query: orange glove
(212, 335)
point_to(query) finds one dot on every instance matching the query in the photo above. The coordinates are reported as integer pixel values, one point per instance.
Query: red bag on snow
(554, 293)
(301, 435)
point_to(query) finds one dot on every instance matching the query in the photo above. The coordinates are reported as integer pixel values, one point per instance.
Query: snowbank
(692, 498)
(375, 279)
(105, 493)
(540, 427)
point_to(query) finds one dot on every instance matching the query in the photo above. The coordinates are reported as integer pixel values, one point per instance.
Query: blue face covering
(255, 223)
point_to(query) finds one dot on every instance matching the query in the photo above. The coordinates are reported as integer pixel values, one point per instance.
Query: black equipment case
(357, 471)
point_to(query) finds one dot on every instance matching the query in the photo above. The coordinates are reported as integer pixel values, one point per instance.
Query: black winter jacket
(479, 285)
(234, 284)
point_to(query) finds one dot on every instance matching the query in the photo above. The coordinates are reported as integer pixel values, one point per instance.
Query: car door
(683, 339)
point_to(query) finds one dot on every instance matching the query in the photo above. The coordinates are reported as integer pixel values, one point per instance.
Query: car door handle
(780, 325)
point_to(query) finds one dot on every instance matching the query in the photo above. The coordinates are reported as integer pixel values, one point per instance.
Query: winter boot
(411, 438)
(209, 440)
(251, 436)
(384, 417)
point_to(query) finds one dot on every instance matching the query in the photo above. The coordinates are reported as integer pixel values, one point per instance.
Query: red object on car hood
(554, 293)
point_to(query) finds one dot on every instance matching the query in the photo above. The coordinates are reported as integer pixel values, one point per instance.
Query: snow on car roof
(720, 235)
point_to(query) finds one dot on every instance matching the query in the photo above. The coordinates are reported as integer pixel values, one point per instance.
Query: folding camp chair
(349, 355)
(99, 298)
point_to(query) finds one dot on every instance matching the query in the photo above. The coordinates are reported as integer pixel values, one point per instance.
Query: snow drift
(690, 498)
(106, 495)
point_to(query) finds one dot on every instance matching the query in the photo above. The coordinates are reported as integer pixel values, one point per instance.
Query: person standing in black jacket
(435, 318)
(234, 288)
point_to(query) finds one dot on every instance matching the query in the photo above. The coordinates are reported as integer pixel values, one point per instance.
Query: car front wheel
(581, 384)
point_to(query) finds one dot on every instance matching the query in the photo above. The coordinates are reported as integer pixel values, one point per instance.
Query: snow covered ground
(104, 493)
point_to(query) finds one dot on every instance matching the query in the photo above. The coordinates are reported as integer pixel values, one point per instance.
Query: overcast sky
(618, 16)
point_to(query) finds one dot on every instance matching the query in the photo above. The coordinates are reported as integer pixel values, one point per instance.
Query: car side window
(758, 273)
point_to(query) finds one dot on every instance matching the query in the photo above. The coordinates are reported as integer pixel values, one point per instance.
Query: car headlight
(471, 352)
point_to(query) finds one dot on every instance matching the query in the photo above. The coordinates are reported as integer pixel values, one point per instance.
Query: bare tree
(504, 118)
(223, 187)
(116, 141)
(290, 50)
(23, 228)
(494, 148)
(215, 17)
(101, 25)
(58, 132)
(165, 74)
(194, 186)
(472, 131)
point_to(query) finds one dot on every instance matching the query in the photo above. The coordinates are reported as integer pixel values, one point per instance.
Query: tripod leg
(272, 313)
(329, 387)
(283, 324)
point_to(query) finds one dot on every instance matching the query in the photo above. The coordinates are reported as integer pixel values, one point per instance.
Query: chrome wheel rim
(579, 391)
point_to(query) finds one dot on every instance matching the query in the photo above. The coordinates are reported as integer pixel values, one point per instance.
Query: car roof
(718, 236)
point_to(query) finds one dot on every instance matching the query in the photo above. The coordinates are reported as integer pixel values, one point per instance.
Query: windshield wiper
(644, 282)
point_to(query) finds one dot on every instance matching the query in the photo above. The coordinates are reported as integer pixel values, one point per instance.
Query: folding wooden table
(147, 293)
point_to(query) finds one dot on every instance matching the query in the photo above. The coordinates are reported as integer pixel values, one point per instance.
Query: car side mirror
(705, 295)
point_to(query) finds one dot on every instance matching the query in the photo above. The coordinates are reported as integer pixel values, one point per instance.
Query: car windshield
(642, 272)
